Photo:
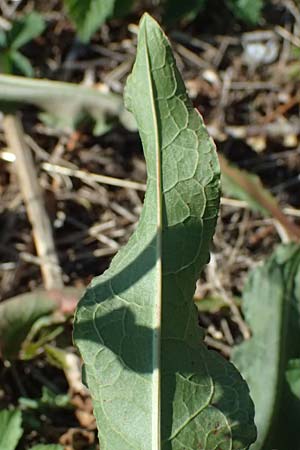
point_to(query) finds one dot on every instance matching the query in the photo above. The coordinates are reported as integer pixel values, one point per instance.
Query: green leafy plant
(270, 360)
(22, 31)
(154, 383)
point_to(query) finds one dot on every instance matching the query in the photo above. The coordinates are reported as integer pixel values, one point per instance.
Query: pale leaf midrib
(156, 394)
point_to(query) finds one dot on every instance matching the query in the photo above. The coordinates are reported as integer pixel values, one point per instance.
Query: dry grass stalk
(33, 199)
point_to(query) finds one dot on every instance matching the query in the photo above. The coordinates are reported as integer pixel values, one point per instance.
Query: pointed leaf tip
(148, 21)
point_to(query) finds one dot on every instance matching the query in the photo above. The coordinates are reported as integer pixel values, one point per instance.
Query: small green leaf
(247, 10)
(153, 382)
(3, 39)
(271, 303)
(32, 348)
(6, 64)
(89, 15)
(123, 7)
(293, 376)
(56, 356)
(20, 64)
(24, 30)
(49, 400)
(187, 9)
(10, 428)
(17, 316)
(212, 305)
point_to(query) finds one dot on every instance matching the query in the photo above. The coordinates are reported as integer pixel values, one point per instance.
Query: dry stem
(33, 198)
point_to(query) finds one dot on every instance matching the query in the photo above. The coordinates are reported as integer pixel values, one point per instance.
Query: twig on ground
(225, 201)
(33, 199)
(285, 34)
(87, 176)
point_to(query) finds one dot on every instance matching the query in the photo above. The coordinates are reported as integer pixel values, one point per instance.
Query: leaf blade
(139, 303)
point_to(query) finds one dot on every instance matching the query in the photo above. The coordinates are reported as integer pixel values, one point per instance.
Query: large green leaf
(64, 103)
(154, 383)
(271, 303)
(10, 428)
